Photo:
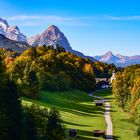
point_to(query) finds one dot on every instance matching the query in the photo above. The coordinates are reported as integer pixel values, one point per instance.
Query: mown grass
(123, 127)
(77, 111)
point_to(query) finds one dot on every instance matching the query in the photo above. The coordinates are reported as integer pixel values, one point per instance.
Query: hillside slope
(77, 110)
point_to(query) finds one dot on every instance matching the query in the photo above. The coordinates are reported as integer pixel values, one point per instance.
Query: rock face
(13, 45)
(51, 36)
(118, 59)
(11, 32)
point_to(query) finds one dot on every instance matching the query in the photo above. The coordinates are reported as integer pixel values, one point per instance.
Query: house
(99, 133)
(99, 102)
(102, 85)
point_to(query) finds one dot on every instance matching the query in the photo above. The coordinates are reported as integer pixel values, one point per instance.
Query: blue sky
(91, 26)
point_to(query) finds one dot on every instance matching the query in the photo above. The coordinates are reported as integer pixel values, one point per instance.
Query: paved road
(109, 129)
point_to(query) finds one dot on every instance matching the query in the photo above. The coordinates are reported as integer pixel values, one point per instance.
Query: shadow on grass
(116, 138)
(76, 124)
(75, 107)
(128, 121)
(82, 135)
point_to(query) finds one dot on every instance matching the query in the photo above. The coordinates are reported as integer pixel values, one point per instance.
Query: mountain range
(118, 59)
(12, 38)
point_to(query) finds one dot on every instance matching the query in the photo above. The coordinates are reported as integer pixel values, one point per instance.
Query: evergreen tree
(32, 85)
(10, 108)
(55, 128)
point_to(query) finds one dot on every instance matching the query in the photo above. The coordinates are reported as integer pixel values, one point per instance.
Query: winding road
(109, 129)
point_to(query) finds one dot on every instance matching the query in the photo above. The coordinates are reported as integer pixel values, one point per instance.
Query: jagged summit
(51, 36)
(109, 53)
(11, 32)
(53, 27)
(4, 22)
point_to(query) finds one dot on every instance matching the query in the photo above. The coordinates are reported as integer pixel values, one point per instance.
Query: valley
(77, 111)
(69, 70)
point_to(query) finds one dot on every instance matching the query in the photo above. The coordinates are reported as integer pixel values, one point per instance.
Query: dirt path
(109, 129)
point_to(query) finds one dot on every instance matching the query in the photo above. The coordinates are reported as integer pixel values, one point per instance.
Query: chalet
(100, 79)
(99, 133)
(102, 85)
(99, 102)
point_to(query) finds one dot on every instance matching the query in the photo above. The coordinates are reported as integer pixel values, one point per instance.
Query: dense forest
(126, 90)
(46, 68)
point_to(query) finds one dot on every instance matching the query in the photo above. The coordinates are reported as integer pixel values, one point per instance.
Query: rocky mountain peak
(52, 33)
(14, 29)
(109, 53)
(51, 36)
(11, 32)
(53, 28)
(4, 22)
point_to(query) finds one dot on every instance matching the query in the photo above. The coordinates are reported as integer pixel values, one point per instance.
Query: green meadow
(77, 111)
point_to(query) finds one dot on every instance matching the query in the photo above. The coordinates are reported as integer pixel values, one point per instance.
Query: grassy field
(77, 110)
(123, 128)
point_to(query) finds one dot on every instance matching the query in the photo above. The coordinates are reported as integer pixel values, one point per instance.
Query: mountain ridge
(16, 46)
(118, 59)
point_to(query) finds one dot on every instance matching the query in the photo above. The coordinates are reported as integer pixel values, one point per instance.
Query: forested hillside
(46, 68)
(126, 90)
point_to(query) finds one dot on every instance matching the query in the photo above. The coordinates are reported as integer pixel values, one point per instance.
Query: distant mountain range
(12, 38)
(118, 59)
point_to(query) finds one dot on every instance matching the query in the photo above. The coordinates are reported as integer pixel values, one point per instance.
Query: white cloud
(25, 17)
(34, 20)
(119, 18)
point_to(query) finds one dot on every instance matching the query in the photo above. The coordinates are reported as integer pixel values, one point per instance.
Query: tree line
(126, 91)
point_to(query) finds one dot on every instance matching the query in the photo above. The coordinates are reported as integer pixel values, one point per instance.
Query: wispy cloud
(122, 18)
(36, 20)
(27, 20)
(26, 17)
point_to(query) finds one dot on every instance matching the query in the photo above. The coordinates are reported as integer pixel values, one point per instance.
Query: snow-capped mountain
(118, 59)
(11, 32)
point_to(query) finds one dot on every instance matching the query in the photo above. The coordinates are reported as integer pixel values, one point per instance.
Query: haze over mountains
(53, 36)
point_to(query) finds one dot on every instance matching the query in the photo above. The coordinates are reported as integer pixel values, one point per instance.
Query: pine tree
(55, 128)
(10, 108)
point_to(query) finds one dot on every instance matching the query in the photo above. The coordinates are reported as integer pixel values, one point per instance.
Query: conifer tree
(55, 128)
